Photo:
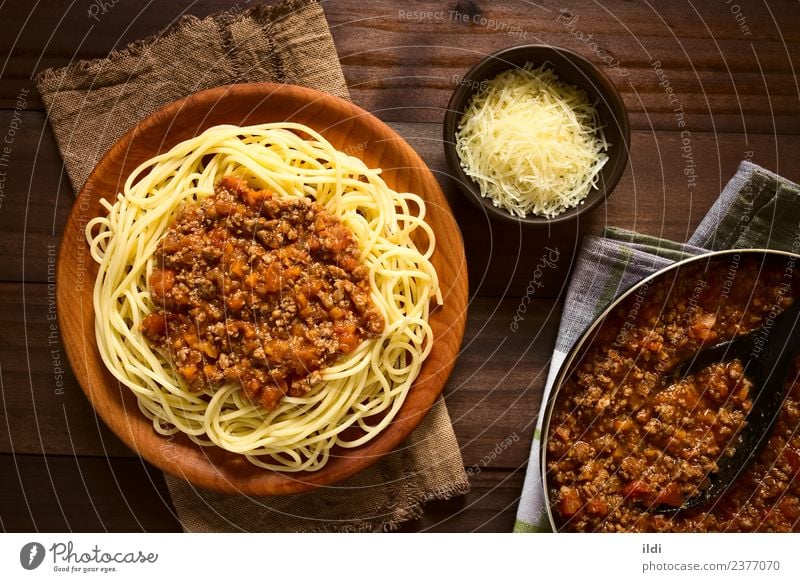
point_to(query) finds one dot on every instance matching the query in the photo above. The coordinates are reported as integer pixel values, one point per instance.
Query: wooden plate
(350, 129)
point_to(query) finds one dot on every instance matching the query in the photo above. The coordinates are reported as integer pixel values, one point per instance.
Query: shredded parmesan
(531, 142)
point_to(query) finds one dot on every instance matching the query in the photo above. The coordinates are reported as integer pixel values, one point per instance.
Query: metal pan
(765, 256)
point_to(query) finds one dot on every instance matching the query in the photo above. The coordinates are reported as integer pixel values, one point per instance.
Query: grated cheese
(531, 142)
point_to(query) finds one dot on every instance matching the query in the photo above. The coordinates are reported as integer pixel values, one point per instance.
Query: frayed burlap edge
(56, 76)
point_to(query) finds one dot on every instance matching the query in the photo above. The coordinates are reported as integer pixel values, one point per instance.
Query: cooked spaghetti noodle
(357, 396)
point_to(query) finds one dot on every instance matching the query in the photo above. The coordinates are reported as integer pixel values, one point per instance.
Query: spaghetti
(358, 395)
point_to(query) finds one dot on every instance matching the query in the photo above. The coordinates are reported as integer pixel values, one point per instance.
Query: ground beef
(624, 438)
(260, 291)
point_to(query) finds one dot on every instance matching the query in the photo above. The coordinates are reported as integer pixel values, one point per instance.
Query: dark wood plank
(716, 75)
(44, 410)
(492, 395)
(731, 71)
(35, 199)
(490, 506)
(84, 494)
(654, 197)
(59, 494)
(496, 388)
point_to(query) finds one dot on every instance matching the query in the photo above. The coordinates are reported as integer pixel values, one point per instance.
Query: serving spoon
(766, 355)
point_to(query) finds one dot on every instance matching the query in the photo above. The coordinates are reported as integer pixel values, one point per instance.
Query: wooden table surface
(706, 84)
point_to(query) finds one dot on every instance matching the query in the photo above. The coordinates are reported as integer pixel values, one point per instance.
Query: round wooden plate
(350, 129)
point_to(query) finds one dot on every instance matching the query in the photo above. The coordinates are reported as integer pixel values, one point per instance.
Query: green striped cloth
(756, 209)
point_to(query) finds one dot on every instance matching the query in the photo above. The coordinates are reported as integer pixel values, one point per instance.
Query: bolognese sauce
(254, 289)
(624, 438)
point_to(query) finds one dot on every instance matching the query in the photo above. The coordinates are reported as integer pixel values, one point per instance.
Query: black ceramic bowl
(570, 68)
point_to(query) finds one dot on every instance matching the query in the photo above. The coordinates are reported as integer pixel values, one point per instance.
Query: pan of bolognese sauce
(624, 437)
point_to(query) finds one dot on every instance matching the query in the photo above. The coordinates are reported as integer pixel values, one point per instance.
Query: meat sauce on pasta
(257, 290)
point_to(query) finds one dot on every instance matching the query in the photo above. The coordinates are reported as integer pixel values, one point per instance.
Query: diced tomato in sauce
(653, 440)
(260, 291)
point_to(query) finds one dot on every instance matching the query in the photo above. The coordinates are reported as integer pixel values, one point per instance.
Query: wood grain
(86, 494)
(403, 61)
(348, 128)
(83, 494)
(490, 506)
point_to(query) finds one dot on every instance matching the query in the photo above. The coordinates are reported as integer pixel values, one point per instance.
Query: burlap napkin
(91, 104)
(756, 209)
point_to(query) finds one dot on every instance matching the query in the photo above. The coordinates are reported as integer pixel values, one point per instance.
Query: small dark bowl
(570, 68)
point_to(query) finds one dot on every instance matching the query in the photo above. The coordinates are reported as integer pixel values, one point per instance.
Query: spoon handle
(782, 339)
(769, 354)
